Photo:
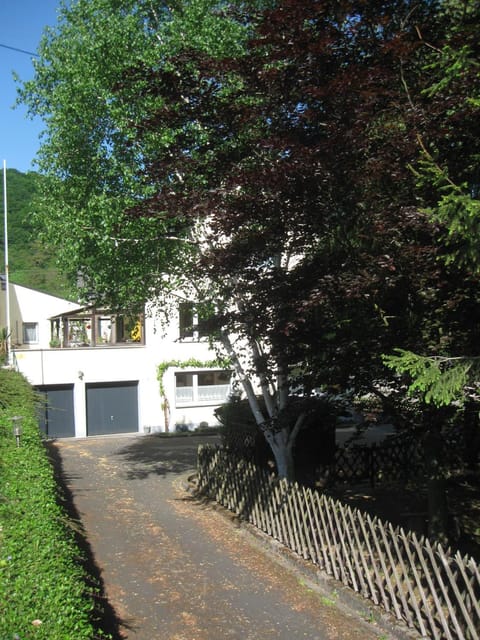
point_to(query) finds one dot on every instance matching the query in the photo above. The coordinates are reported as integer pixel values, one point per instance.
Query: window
(209, 387)
(191, 324)
(185, 312)
(30, 332)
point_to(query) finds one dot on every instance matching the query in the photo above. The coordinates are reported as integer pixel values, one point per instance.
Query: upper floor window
(30, 332)
(190, 325)
(90, 327)
(185, 320)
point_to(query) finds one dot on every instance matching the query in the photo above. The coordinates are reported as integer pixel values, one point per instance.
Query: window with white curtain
(30, 332)
(202, 387)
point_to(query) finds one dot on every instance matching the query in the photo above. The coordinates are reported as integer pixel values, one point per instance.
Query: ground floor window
(202, 387)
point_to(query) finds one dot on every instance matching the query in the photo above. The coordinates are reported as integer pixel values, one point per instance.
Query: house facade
(101, 373)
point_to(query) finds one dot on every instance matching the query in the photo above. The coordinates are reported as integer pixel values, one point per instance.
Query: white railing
(213, 392)
(202, 393)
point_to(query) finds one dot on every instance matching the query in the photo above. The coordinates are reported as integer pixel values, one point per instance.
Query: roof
(81, 312)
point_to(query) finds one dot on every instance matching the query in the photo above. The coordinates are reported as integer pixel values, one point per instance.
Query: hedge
(45, 591)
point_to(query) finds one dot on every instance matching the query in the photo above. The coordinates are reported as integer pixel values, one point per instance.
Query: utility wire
(29, 53)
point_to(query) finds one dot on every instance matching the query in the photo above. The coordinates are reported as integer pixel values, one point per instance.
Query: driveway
(173, 568)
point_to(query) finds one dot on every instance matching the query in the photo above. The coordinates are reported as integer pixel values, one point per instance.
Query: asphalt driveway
(174, 568)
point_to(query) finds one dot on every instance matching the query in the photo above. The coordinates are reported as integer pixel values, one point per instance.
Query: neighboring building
(98, 372)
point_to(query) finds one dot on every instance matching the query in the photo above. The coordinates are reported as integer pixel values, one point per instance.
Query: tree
(448, 179)
(267, 177)
(245, 148)
(89, 151)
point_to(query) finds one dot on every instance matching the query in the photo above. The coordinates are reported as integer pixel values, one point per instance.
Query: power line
(29, 53)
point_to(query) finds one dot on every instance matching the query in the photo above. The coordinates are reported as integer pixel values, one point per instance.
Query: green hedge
(43, 583)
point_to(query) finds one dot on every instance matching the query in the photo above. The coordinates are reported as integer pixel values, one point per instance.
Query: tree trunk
(282, 452)
(471, 434)
(436, 486)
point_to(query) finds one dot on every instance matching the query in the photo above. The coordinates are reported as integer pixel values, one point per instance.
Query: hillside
(30, 263)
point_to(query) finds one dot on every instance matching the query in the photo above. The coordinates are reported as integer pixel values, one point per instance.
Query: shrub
(43, 584)
(315, 444)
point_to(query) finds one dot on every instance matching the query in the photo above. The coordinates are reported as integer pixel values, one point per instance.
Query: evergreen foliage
(439, 380)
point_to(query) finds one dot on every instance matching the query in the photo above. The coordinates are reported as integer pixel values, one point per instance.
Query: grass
(45, 591)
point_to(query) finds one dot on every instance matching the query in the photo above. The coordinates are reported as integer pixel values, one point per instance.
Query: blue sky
(21, 25)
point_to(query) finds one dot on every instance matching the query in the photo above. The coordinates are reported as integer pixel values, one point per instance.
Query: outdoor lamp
(17, 428)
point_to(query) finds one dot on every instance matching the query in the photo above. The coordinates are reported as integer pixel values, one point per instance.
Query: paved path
(176, 569)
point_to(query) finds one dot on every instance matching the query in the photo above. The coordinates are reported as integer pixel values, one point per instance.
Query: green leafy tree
(91, 154)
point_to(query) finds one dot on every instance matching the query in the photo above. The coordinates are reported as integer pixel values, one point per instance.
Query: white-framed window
(202, 387)
(30, 332)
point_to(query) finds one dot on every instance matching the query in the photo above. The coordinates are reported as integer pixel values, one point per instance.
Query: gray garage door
(112, 408)
(56, 415)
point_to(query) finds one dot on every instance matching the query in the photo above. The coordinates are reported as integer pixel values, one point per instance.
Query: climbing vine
(193, 363)
(185, 364)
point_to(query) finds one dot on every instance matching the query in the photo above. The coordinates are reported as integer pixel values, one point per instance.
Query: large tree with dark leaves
(292, 160)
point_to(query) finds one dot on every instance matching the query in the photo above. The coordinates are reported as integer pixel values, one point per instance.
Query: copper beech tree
(289, 165)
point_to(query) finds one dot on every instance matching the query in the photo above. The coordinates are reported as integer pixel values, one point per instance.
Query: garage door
(112, 408)
(56, 415)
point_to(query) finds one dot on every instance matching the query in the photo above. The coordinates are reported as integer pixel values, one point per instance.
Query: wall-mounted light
(17, 428)
(80, 375)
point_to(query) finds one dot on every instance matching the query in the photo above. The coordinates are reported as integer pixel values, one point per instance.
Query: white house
(103, 373)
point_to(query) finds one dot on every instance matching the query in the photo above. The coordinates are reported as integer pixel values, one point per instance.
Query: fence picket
(461, 564)
(300, 534)
(438, 608)
(337, 564)
(320, 529)
(452, 582)
(359, 556)
(393, 564)
(424, 612)
(309, 530)
(394, 537)
(348, 578)
(278, 503)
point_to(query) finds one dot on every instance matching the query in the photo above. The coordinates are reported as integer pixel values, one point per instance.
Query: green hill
(30, 263)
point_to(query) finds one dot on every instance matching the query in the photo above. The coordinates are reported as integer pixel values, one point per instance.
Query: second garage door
(112, 408)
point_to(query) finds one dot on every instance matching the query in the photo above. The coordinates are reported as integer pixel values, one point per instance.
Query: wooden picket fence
(434, 591)
(375, 463)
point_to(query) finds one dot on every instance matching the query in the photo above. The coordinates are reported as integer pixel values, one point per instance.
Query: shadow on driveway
(104, 617)
(160, 455)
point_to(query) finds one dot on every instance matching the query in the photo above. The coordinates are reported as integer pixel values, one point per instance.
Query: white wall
(29, 305)
(79, 366)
